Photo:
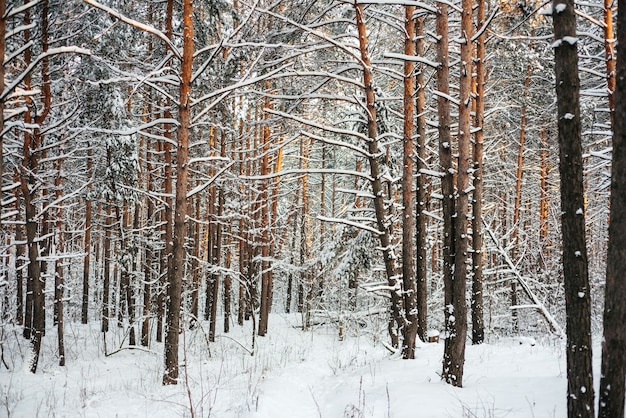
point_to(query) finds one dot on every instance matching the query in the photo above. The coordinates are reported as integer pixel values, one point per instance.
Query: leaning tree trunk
(613, 372)
(384, 227)
(577, 292)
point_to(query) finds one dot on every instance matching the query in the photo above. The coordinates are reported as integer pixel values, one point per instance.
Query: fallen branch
(555, 328)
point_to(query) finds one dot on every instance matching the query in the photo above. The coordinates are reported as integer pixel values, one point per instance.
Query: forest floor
(292, 374)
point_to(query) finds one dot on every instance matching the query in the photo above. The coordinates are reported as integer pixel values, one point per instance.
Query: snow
(292, 374)
(560, 8)
(572, 40)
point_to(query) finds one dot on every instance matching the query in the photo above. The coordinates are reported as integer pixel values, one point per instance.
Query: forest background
(389, 165)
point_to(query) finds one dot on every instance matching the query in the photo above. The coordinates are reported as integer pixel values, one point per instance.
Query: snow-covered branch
(49, 53)
(141, 26)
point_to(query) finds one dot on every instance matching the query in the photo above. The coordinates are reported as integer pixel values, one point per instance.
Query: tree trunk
(422, 187)
(19, 255)
(266, 281)
(87, 243)
(59, 284)
(447, 181)
(384, 227)
(453, 374)
(175, 276)
(106, 270)
(166, 260)
(409, 332)
(478, 324)
(609, 53)
(519, 176)
(577, 292)
(215, 262)
(3, 7)
(613, 371)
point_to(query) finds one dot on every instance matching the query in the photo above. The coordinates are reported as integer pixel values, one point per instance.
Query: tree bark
(613, 369)
(106, 270)
(575, 270)
(408, 203)
(453, 374)
(266, 282)
(175, 276)
(447, 181)
(609, 53)
(478, 324)
(59, 284)
(87, 243)
(421, 275)
(166, 260)
(3, 7)
(384, 227)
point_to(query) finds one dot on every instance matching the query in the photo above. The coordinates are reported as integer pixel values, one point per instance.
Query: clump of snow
(432, 333)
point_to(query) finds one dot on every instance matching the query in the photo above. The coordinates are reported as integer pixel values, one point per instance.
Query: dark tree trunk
(59, 284)
(613, 372)
(453, 374)
(106, 270)
(87, 244)
(577, 292)
(19, 258)
(447, 181)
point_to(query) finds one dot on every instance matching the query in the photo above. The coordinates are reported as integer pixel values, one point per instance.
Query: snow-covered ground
(292, 374)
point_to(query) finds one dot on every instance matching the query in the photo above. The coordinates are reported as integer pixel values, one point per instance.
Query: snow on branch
(451, 5)
(318, 34)
(415, 3)
(222, 93)
(412, 58)
(337, 143)
(554, 326)
(483, 28)
(134, 130)
(316, 125)
(12, 11)
(447, 97)
(136, 24)
(348, 222)
(206, 184)
(49, 53)
(308, 171)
